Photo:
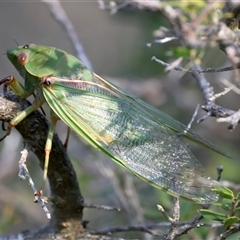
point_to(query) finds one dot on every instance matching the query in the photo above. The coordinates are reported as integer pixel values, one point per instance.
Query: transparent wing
(166, 120)
(131, 136)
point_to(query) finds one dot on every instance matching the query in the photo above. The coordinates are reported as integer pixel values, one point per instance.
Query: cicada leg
(48, 148)
(21, 92)
(67, 138)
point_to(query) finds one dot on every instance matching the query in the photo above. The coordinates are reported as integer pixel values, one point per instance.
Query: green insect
(134, 134)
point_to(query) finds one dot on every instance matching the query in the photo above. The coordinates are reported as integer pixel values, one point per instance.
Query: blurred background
(116, 45)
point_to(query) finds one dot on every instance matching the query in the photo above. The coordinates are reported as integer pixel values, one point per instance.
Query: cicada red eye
(22, 57)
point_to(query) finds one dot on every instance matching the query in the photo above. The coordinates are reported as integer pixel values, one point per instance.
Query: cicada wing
(131, 136)
(165, 119)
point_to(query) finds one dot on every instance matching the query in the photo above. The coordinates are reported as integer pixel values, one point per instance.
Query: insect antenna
(14, 39)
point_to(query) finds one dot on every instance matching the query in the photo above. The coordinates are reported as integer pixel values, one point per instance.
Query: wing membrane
(129, 132)
(165, 119)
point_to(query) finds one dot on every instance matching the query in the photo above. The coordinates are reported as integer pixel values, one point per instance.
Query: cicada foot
(6, 81)
(2, 138)
(39, 194)
(3, 127)
(7, 133)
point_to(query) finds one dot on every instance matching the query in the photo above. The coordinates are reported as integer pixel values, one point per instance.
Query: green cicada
(134, 134)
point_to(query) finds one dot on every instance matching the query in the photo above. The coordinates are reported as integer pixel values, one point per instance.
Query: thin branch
(229, 232)
(156, 229)
(165, 214)
(210, 107)
(231, 86)
(138, 228)
(170, 66)
(101, 207)
(24, 174)
(218, 95)
(232, 120)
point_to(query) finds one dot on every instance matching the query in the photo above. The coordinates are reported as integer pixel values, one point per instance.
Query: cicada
(137, 136)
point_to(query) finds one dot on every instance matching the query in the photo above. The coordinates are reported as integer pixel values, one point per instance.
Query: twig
(24, 174)
(156, 229)
(185, 228)
(174, 221)
(192, 120)
(161, 209)
(220, 69)
(103, 207)
(204, 85)
(170, 66)
(232, 120)
(163, 40)
(210, 107)
(229, 232)
(231, 86)
(217, 95)
(139, 228)
(176, 212)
